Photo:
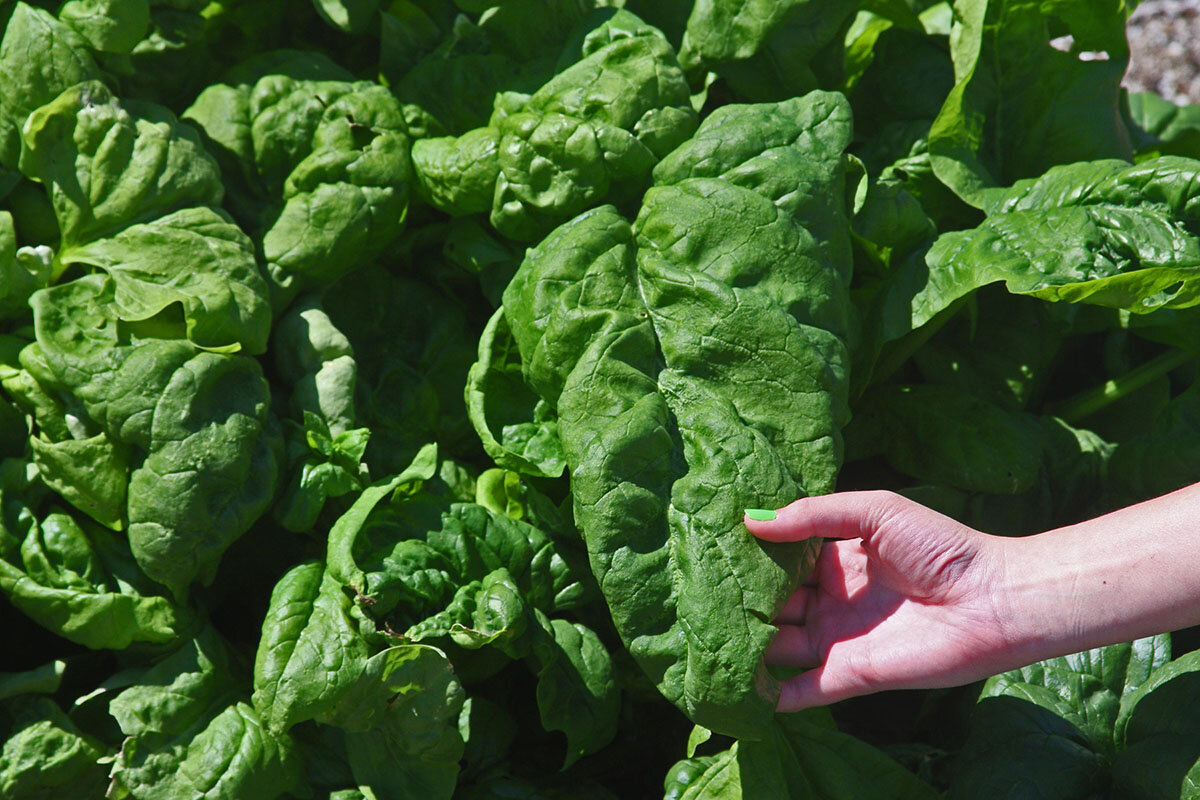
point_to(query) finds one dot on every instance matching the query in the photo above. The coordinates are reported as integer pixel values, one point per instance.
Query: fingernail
(760, 514)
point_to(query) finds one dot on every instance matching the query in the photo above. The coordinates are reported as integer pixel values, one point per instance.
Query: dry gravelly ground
(1164, 40)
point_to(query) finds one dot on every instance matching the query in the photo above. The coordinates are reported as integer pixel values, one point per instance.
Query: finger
(845, 515)
(817, 687)
(793, 647)
(795, 611)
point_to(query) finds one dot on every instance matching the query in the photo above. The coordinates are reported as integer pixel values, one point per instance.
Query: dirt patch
(1164, 43)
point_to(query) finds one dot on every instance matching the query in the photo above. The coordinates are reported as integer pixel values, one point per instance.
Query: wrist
(1129, 574)
(1036, 601)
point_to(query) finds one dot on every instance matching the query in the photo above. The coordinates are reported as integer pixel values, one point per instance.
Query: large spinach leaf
(696, 365)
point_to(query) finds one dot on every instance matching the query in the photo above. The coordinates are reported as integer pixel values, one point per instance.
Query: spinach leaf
(195, 424)
(81, 582)
(323, 162)
(45, 754)
(804, 755)
(696, 368)
(310, 651)
(593, 131)
(1006, 70)
(188, 734)
(1082, 721)
(39, 58)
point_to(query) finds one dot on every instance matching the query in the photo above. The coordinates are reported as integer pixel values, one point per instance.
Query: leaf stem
(1089, 401)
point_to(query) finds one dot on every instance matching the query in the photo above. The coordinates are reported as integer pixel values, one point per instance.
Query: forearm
(1132, 573)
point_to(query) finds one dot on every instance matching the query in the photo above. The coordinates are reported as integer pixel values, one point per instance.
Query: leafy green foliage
(647, 343)
(381, 386)
(592, 132)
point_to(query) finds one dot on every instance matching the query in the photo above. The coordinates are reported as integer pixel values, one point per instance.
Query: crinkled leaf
(486, 612)
(44, 755)
(594, 129)
(430, 558)
(1092, 683)
(196, 258)
(1106, 232)
(197, 420)
(696, 368)
(188, 736)
(108, 164)
(310, 652)
(324, 162)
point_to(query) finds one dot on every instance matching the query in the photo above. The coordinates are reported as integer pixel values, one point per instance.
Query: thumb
(817, 687)
(845, 515)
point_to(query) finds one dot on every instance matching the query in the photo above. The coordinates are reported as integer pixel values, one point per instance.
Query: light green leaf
(235, 757)
(107, 164)
(111, 26)
(196, 258)
(83, 584)
(188, 736)
(41, 680)
(44, 755)
(1106, 233)
(209, 449)
(407, 669)
(39, 58)
(17, 280)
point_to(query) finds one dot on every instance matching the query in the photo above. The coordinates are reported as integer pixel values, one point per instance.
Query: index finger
(843, 515)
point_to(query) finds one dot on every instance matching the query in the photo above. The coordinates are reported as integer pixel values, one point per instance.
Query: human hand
(906, 598)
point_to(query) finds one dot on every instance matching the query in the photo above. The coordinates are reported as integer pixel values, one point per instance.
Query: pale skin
(906, 598)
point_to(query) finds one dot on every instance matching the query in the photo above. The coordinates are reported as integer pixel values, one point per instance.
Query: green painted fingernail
(760, 514)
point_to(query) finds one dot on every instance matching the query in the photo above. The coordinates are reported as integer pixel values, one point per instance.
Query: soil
(1164, 43)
